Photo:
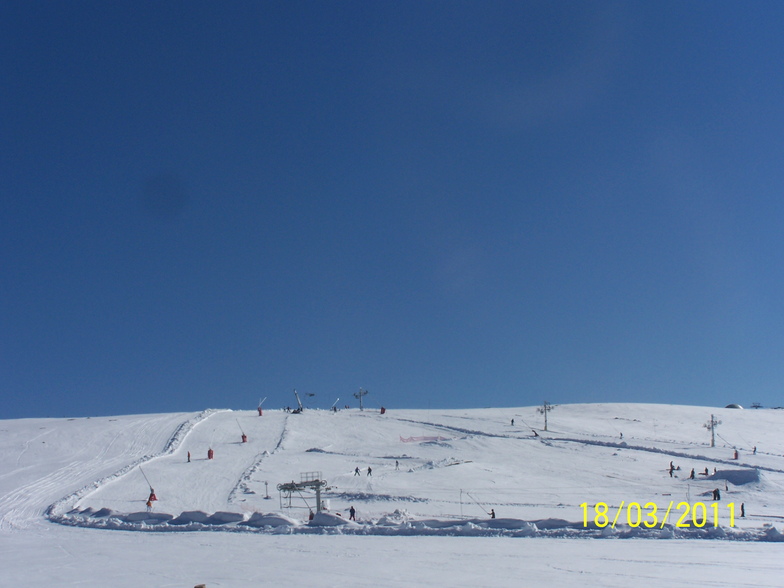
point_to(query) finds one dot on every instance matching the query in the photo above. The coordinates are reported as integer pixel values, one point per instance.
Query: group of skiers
(716, 492)
(370, 470)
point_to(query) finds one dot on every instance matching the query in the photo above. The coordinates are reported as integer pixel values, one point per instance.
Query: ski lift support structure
(309, 481)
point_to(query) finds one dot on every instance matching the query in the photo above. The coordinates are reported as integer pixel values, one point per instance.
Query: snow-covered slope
(435, 473)
(43, 460)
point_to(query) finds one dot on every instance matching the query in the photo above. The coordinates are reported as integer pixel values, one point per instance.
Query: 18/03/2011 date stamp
(634, 514)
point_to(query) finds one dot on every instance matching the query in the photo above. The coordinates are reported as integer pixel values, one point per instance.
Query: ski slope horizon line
(406, 408)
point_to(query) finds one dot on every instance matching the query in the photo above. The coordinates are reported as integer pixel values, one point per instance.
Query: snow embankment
(398, 523)
(55, 510)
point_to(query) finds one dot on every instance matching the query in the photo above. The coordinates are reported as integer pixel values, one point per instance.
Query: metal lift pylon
(308, 481)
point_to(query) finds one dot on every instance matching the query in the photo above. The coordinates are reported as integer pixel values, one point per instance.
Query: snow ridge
(400, 523)
(243, 484)
(667, 452)
(55, 510)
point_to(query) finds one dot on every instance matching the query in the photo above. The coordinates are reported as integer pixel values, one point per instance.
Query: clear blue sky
(450, 204)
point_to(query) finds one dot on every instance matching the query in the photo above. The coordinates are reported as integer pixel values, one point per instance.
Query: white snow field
(73, 494)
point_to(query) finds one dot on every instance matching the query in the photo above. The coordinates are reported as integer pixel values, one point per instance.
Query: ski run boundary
(55, 511)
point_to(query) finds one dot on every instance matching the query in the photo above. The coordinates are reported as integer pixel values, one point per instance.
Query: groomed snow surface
(73, 496)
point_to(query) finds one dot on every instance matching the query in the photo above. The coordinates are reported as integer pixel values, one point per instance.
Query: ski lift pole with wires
(308, 481)
(544, 409)
(711, 426)
(359, 395)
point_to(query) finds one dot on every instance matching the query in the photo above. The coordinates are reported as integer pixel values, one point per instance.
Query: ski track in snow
(456, 429)
(242, 485)
(669, 453)
(27, 444)
(17, 505)
(23, 505)
(55, 511)
(611, 444)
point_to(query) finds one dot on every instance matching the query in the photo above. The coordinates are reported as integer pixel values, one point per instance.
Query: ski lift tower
(711, 426)
(544, 409)
(308, 481)
(359, 396)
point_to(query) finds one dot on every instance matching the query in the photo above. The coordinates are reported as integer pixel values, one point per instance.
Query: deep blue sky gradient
(451, 204)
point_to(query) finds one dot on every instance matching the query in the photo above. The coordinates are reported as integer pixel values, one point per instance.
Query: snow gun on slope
(299, 408)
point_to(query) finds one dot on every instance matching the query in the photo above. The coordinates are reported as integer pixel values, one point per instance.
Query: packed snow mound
(399, 517)
(773, 534)
(222, 518)
(400, 524)
(192, 516)
(149, 518)
(258, 519)
(737, 477)
(323, 519)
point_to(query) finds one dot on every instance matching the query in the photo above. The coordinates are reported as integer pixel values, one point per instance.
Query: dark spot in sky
(165, 196)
